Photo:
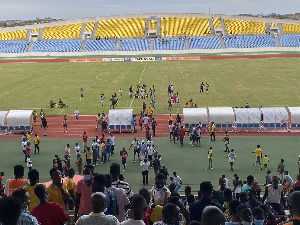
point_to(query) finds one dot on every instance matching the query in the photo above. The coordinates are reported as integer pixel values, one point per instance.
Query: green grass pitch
(189, 162)
(233, 82)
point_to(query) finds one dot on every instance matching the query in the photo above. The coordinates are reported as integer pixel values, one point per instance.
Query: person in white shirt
(24, 144)
(139, 208)
(76, 113)
(231, 156)
(112, 142)
(145, 170)
(288, 182)
(160, 193)
(77, 149)
(177, 181)
(136, 148)
(120, 92)
(97, 216)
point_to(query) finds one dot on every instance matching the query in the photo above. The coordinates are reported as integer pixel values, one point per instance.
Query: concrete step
(117, 46)
(280, 29)
(41, 31)
(94, 30)
(30, 46)
(187, 44)
(29, 31)
(151, 44)
(224, 27)
(222, 43)
(277, 41)
(212, 28)
(146, 27)
(159, 27)
(82, 45)
(82, 31)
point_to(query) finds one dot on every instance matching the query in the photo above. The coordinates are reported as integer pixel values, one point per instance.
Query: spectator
(269, 216)
(232, 212)
(196, 208)
(10, 210)
(116, 182)
(55, 190)
(47, 213)
(220, 192)
(183, 211)
(146, 194)
(122, 199)
(298, 181)
(83, 194)
(246, 187)
(139, 209)
(227, 198)
(246, 216)
(159, 191)
(170, 215)
(145, 170)
(69, 184)
(258, 216)
(274, 195)
(252, 200)
(33, 176)
(177, 181)
(212, 215)
(98, 185)
(293, 201)
(24, 198)
(97, 216)
(14, 184)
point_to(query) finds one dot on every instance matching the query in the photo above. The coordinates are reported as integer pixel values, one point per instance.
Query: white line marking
(139, 83)
(61, 112)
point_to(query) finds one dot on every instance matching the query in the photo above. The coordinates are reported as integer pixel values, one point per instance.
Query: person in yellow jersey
(36, 144)
(210, 158)
(258, 153)
(33, 177)
(69, 184)
(28, 136)
(56, 192)
(212, 131)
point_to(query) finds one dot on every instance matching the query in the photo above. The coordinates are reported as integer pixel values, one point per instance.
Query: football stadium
(183, 97)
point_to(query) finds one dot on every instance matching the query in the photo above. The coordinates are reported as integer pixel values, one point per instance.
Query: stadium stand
(69, 31)
(174, 26)
(291, 28)
(250, 41)
(134, 45)
(121, 28)
(152, 25)
(273, 24)
(89, 26)
(36, 30)
(99, 45)
(57, 46)
(217, 23)
(205, 43)
(244, 27)
(289, 40)
(169, 44)
(14, 35)
(13, 46)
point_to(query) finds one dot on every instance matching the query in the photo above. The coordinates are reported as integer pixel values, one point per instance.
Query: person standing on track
(84, 139)
(212, 132)
(154, 125)
(44, 125)
(76, 113)
(65, 124)
(181, 135)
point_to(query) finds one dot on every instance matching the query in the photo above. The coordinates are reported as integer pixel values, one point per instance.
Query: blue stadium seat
(266, 125)
(57, 46)
(250, 125)
(283, 125)
(205, 43)
(111, 127)
(134, 45)
(123, 127)
(272, 125)
(277, 124)
(256, 125)
(128, 127)
(169, 44)
(118, 127)
(17, 127)
(11, 128)
(99, 45)
(224, 125)
(218, 125)
(2, 128)
(22, 127)
(229, 125)
(247, 41)
(245, 125)
(238, 125)
(13, 46)
(204, 125)
(289, 40)
(27, 128)
(186, 125)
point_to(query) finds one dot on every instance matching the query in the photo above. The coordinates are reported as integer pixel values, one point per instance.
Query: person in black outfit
(44, 125)
(154, 124)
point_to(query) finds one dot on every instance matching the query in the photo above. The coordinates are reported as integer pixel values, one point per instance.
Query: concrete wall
(148, 15)
(137, 53)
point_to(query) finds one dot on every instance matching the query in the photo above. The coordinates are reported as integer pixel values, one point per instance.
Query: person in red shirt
(181, 135)
(47, 213)
(28, 151)
(174, 98)
(141, 121)
(102, 139)
(298, 181)
(84, 138)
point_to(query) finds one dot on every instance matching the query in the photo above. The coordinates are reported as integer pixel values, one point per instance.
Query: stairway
(117, 46)
(82, 45)
(222, 43)
(224, 28)
(280, 29)
(94, 30)
(212, 28)
(41, 31)
(187, 44)
(277, 40)
(81, 36)
(30, 46)
(146, 27)
(159, 27)
(151, 44)
(268, 28)
(29, 31)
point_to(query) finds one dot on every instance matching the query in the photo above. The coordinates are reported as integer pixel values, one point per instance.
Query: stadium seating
(13, 46)
(169, 44)
(289, 40)
(273, 24)
(63, 32)
(57, 46)
(35, 30)
(244, 27)
(249, 41)
(175, 26)
(291, 28)
(152, 25)
(217, 23)
(14, 35)
(121, 28)
(205, 43)
(99, 45)
(134, 45)
(89, 26)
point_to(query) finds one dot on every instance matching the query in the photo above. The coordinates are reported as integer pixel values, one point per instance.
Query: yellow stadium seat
(89, 26)
(14, 35)
(291, 28)
(244, 27)
(63, 32)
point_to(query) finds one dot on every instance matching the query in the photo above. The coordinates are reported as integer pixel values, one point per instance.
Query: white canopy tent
(120, 116)
(221, 115)
(295, 114)
(18, 118)
(275, 115)
(195, 115)
(247, 115)
(2, 117)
